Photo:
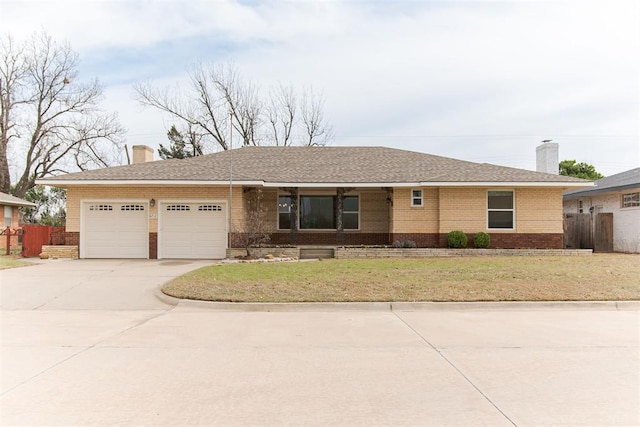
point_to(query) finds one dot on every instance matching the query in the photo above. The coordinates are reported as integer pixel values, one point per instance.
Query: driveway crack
(446, 359)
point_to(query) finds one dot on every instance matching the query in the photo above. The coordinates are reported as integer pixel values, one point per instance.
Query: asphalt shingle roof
(300, 165)
(621, 181)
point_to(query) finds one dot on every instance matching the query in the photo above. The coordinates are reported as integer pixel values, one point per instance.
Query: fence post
(8, 231)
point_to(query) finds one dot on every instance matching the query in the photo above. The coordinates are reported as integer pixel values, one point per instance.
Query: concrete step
(316, 253)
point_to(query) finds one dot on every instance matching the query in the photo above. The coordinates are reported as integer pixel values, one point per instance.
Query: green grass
(11, 261)
(546, 278)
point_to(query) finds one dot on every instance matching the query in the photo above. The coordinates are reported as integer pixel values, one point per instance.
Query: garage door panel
(192, 230)
(115, 230)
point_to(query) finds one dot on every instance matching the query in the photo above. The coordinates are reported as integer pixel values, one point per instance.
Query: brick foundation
(71, 238)
(422, 240)
(498, 240)
(324, 238)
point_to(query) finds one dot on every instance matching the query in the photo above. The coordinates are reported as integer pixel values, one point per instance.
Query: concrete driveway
(128, 359)
(65, 284)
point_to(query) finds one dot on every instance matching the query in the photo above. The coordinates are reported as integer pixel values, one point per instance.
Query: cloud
(479, 80)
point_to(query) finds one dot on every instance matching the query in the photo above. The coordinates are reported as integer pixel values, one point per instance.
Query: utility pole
(230, 232)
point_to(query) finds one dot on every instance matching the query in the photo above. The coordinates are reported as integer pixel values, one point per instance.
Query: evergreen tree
(182, 145)
(579, 170)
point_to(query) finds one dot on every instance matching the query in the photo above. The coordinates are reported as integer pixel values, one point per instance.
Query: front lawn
(11, 261)
(598, 277)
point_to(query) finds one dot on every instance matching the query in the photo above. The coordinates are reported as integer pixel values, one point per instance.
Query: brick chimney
(547, 159)
(142, 154)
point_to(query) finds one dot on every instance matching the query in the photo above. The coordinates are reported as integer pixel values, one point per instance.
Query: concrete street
(87, 343)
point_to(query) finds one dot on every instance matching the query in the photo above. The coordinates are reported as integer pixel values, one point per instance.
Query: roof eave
(69, 183)
(18, 204)
(504, 184)
(597, 191)
(140, 182)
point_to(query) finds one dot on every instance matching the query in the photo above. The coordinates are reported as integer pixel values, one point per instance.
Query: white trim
(513, 210)
(340, 184)
(421, 205)
(506, 184)
(163, 183)
(64, 183)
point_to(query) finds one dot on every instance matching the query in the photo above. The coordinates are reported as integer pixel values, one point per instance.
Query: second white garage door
(192, 230)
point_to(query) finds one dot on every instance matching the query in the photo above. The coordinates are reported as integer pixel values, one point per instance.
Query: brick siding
(153, 245)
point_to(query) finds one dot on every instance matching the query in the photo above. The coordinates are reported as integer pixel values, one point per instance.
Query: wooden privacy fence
(603, 233)
(589, 231)
(35, 236)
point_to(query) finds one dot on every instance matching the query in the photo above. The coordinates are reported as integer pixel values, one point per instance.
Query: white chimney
(142, 154)
(547, 159)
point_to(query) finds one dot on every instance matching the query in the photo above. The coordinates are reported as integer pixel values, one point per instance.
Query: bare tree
(282, 114)
(218, 93)
(51, 117)
(316, 129)
(257, 230)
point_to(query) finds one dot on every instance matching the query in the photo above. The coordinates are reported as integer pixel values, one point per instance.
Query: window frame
(512, 210)
(414, 198)
(8, 209)
(300, 196)
(631, 203)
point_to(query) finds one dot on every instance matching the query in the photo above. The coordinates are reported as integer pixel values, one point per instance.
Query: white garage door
(115, 230)
(192, 230)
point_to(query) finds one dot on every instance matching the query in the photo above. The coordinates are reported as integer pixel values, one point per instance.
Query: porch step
(316, 253)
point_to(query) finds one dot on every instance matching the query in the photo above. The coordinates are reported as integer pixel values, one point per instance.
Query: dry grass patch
(597, 277)
(11, 261)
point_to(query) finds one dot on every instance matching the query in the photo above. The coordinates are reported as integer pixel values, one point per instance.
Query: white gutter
(65, 183)
(506, 184)
(140, 182)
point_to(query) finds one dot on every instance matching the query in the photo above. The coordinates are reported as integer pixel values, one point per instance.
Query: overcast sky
(483, 81)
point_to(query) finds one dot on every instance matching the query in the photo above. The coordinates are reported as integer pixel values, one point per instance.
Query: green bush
(481, 240)
(457, 239)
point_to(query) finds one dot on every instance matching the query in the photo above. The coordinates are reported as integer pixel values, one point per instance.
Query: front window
(630, 200)
(284, 212)
(350, 213)
(8, 216)
(319, 212)
(500, 210)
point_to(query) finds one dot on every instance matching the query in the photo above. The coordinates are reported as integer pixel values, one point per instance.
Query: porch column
(294, 218)
(339, 211)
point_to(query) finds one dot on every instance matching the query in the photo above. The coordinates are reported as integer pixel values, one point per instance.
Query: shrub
(457, 239)
(404, 244)
(481, 240)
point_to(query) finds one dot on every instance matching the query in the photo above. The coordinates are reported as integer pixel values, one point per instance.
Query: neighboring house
(618, 195)
(312, 195)
(9, 206)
